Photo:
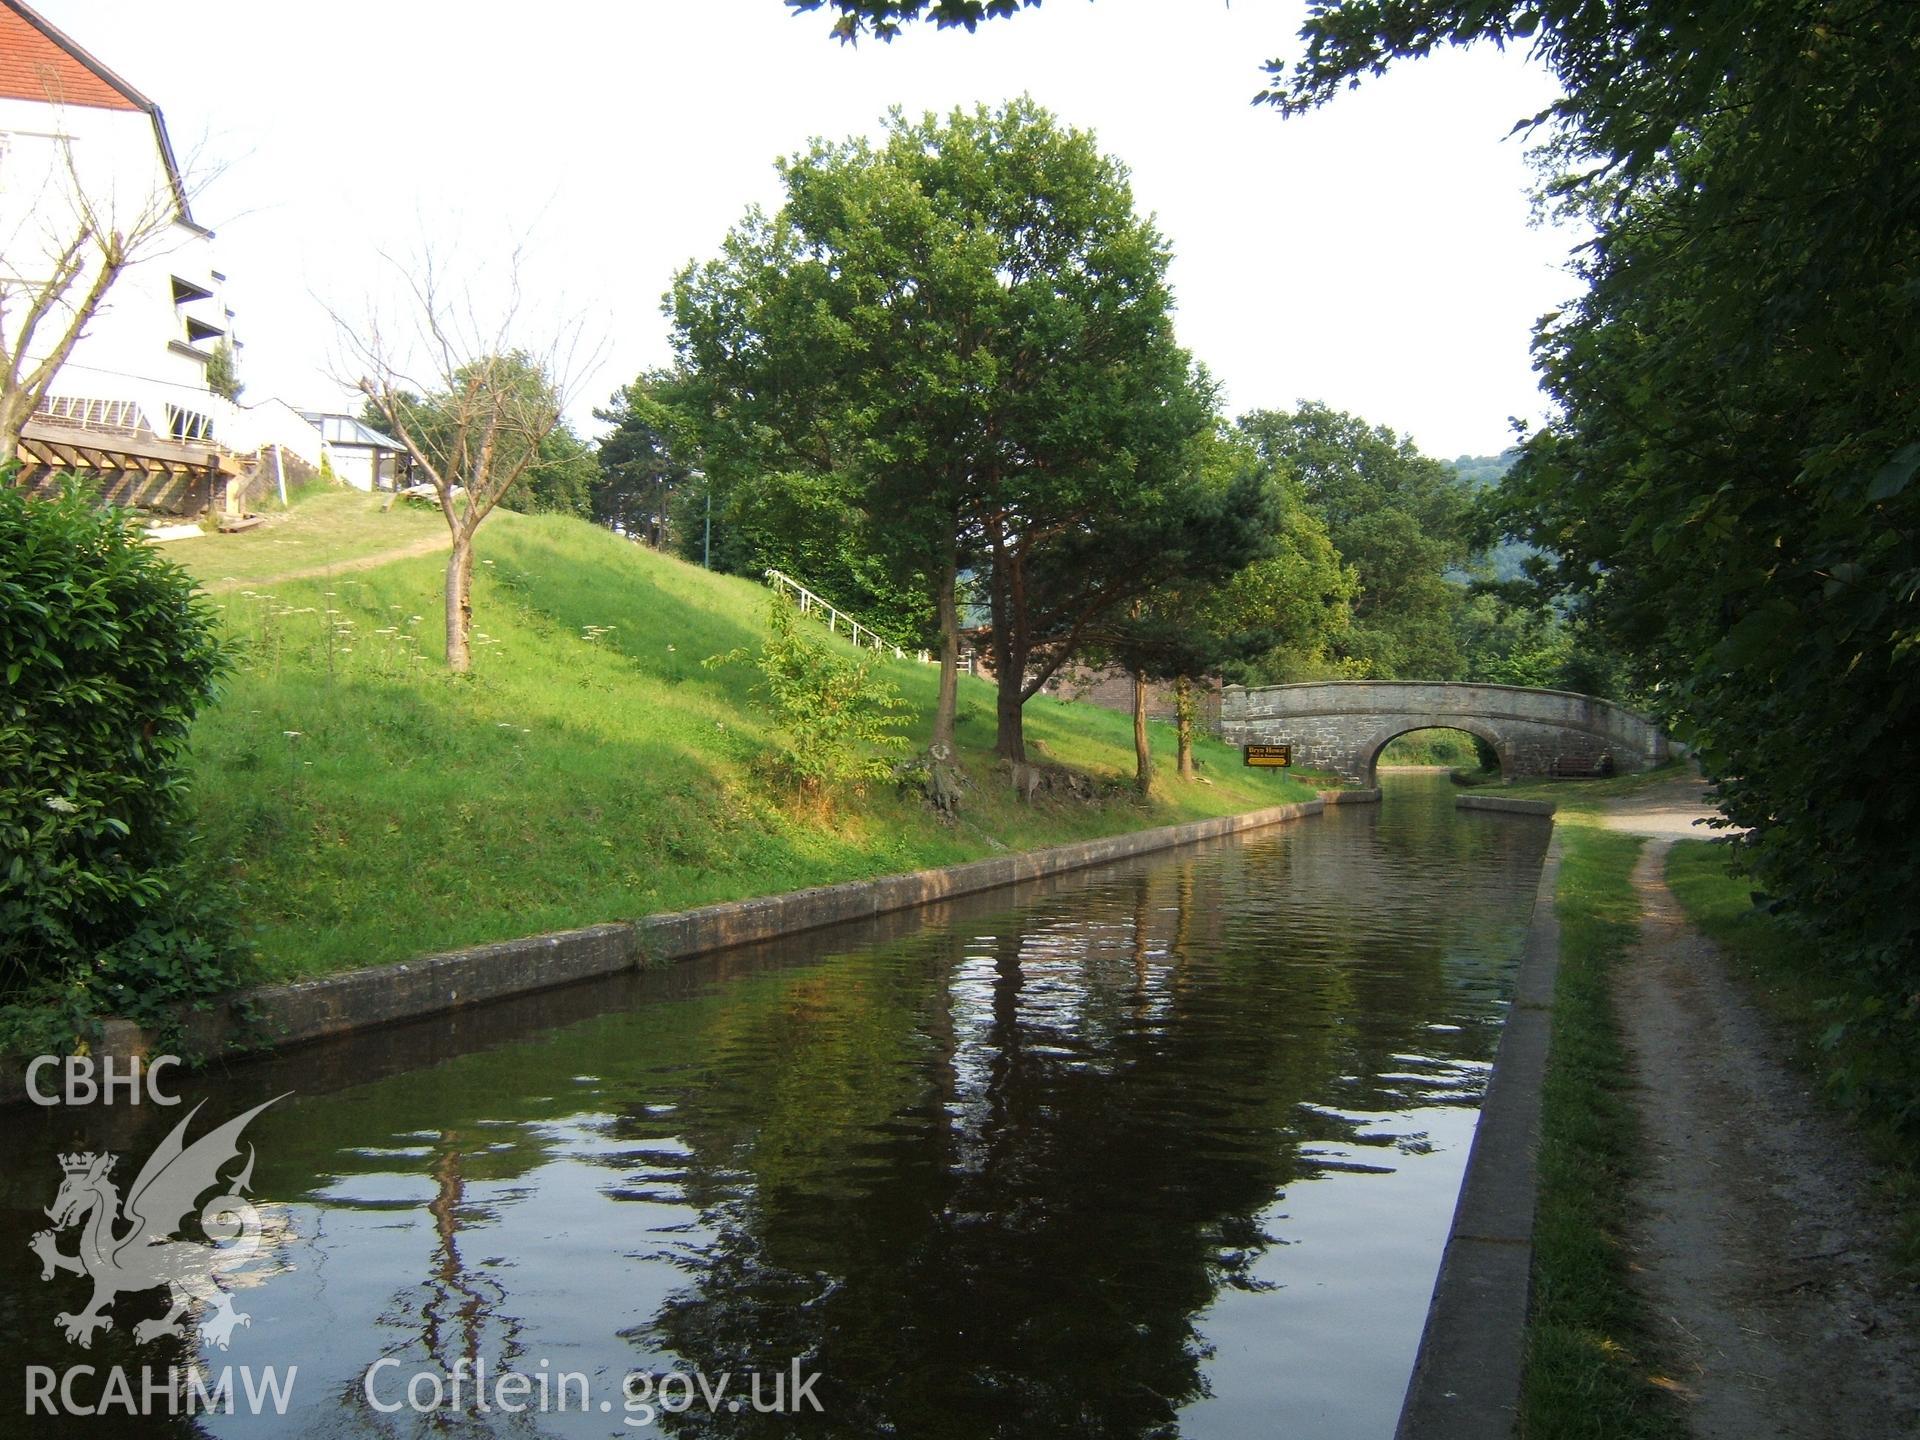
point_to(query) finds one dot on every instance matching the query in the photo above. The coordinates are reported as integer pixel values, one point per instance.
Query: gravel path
(1756, 1241)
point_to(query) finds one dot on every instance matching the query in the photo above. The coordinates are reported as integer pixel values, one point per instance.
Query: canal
(1168, 1148)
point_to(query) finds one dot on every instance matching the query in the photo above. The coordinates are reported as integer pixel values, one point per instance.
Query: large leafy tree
(644, 464)
(786, 344)
(1396, 516)
(560, 481)
(1266, 587)
(958, 342)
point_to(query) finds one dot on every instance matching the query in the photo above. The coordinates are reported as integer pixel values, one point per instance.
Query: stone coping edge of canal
(280, 1016)
(1466, 1377)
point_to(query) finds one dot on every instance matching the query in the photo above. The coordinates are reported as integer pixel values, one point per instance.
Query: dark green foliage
(645, 465)
(223, 371)
(1502, 558)
(883, 18)
(1728, 490)
(1210, 615)
(106, 657)
(561, 481)
(558, 480)
(1478, 472)
(813, 526)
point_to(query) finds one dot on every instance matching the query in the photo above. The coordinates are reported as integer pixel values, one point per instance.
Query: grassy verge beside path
(1585, 797)
(371, 807)
(1590, 1353)
(1873, 1073)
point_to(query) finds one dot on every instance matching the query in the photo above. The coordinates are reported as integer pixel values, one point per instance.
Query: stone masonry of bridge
(1343, 725)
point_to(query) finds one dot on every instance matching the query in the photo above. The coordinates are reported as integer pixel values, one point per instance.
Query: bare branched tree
(472, 401)
(63, 253)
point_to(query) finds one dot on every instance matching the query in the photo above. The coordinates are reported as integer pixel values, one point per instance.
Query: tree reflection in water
(1073, 1143)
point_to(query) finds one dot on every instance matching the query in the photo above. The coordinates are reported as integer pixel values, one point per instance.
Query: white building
(363, 457)
(78, 142)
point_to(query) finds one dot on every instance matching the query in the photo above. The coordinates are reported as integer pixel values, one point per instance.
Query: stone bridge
(1343, 725)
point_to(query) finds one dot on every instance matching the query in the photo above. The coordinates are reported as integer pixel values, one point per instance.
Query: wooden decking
(133, 469)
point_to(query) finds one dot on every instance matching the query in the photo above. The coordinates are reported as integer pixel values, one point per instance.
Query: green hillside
(372, 806)
(1507, 560)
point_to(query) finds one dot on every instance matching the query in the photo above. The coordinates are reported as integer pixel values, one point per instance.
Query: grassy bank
(326, 528)
(1590, 1356)
(1871, 1071)
(372, 807)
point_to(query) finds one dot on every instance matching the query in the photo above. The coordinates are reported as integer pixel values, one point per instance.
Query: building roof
(40, 62)
(346, 430)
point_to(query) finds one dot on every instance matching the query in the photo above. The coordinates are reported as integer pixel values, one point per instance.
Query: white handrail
(861, 635)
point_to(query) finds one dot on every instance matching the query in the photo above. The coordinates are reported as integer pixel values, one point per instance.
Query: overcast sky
(1376, 255)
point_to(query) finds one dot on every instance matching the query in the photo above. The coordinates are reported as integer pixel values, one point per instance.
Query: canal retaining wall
(1466, 1376)
(278, 1016)
(1504, 804)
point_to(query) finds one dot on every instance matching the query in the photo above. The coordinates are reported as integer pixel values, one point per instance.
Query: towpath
(1757, 1242)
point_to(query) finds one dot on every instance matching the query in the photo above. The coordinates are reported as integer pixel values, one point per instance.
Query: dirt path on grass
(425, 545)
(1756, 1243)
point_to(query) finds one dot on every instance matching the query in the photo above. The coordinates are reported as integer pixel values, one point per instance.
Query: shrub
(837, 715)
(106, 656)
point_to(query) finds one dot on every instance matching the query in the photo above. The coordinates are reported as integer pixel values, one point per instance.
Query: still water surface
(1169, 1148)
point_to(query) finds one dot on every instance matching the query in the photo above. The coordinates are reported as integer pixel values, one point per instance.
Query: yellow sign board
(1272, 756)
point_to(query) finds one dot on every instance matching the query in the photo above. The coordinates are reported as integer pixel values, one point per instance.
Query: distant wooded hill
(1483, 472)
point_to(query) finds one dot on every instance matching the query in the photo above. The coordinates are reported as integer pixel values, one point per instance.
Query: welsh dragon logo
(141, 1249)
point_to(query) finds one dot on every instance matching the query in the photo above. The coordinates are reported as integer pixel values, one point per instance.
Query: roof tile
(34, 67)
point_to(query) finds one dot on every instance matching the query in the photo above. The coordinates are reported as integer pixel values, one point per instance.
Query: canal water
(1168, 1148)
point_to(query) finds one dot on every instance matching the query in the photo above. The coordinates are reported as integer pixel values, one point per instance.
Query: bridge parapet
(1343, 725)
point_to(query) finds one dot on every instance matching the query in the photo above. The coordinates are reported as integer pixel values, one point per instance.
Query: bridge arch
(1342, 725)
(1371, 747)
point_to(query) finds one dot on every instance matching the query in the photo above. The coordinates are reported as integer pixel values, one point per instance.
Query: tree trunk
(1009, 655)
(948, 703)
(1183, 714)
(1142, 753)
(14, 412)
(1010, 739)
(460, 603)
